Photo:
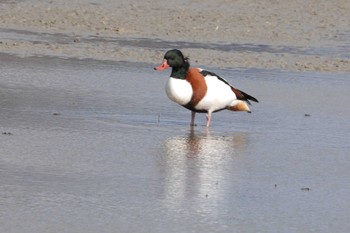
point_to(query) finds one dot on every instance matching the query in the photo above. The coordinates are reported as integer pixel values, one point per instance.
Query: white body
(219, 95)
(179, 90)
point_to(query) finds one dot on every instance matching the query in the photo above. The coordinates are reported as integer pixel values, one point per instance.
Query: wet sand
(92, 146)
(319, 30)
(91, 143)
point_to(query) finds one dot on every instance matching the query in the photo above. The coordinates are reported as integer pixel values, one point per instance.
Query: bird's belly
(179, 90)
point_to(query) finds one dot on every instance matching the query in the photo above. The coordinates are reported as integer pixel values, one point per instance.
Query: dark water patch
(47, 38)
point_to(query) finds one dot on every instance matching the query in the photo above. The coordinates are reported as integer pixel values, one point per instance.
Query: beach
(91, 143)
(296, 36)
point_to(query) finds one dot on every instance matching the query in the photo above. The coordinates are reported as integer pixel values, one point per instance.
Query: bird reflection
(196, 164)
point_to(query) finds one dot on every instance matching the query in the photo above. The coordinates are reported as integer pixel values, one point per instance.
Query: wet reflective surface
(91, 146)
(341, 50)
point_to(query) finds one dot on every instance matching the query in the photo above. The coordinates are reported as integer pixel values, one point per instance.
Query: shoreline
(27, 29)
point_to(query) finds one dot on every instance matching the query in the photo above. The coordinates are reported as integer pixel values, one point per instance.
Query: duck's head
(175, 59)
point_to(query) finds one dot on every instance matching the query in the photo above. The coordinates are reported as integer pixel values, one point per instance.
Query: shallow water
(91, 146)
(341, 49)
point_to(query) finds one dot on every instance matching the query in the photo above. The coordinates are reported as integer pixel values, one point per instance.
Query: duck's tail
(249, 97)
(239, 105)
(243, 96)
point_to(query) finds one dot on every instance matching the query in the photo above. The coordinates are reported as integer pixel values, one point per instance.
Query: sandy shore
(298, 35)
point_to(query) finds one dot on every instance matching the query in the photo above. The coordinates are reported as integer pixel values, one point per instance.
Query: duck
(199, 90)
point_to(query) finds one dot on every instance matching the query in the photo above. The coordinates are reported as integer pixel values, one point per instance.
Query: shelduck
(200, 90)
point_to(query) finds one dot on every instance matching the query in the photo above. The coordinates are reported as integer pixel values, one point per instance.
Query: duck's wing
(240, 94)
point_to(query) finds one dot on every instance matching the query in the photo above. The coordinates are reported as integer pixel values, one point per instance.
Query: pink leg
(193, 114)
(208, 119)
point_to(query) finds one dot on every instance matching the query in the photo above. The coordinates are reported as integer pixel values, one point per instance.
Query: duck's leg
(193, 114)
(208, 119)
